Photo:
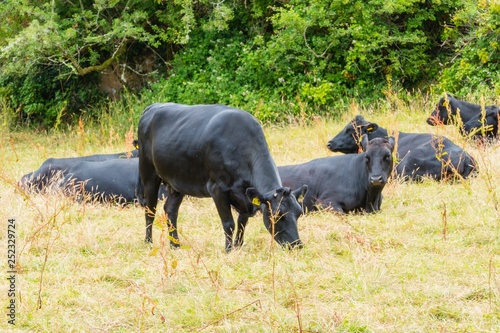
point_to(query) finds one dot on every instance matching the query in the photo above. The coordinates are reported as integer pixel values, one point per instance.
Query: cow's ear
(359, 119)
(446, 100)
(364, 142)
(254, 196)
(300, 193)
(392, 143)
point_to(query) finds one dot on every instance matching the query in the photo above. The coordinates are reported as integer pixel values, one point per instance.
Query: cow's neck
(378, 133)
(265, 175)
(454, 103)
(373, 198)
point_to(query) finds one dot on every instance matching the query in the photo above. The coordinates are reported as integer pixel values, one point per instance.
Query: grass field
(429, 261)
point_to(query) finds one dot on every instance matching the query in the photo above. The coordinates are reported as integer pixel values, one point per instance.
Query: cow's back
(106, 180)
(330, 180)
(422, 154)
(190, 146)
(467, 110)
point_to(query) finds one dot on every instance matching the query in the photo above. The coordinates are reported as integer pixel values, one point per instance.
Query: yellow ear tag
(300, 198)
(256, 201)
(369, 129)
(445, 104)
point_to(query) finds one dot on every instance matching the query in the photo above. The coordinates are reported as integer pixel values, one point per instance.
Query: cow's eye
(367, 159)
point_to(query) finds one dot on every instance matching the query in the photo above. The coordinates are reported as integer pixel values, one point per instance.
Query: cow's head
(280, 210)
(348, 141)
(41, 181)
(378, 158)
(26, 182)
(442, 113)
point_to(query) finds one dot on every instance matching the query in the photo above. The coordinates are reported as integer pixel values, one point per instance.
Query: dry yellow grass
(428, 262)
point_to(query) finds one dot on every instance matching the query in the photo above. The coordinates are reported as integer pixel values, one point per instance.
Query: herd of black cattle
(221, 152)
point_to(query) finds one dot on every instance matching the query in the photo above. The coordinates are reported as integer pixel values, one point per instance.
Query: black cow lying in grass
(344, 183)
(104, 181)
(101, 177)
(418, 155)
(219, 152)
(471, 119)
(53, 170)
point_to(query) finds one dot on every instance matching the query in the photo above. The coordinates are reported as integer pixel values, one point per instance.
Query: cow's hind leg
(151, 184)
(172, 204)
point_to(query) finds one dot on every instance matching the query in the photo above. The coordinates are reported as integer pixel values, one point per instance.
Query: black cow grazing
(450, 110)
(344, 183)
(418, 154)
(54, 169)
(484, 125)
(219, 152)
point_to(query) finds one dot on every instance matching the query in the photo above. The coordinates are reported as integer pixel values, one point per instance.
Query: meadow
(429, 261)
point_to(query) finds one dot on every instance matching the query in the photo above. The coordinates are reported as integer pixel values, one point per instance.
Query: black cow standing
(418, 154)
(219, 152)
(344, 183)
(471, 118)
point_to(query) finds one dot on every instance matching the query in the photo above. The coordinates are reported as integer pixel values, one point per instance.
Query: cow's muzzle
(377, 181)
(293, 245)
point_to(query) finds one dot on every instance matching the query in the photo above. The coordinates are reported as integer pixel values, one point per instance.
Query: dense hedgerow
(280, 61)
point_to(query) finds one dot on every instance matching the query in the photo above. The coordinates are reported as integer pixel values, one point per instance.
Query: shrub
(474, 37)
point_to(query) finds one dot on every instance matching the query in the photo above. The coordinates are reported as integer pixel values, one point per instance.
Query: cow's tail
(139, 191)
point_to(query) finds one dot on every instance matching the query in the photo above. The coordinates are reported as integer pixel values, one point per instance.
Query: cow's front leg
(172, 204)
(221, 200)
(242, 222)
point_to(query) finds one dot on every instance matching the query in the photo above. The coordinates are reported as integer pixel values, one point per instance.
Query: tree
(276, 58)
(314, 55)
(65, 41)
(473, 35)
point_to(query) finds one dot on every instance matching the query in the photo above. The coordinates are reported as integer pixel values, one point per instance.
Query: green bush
(320, 55)
(278, 60)
(475, 38)
(47, 99)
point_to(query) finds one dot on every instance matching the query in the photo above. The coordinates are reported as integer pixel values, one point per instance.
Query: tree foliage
(319, 54)
(474, 37)
(53, 43)
(277, 59)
